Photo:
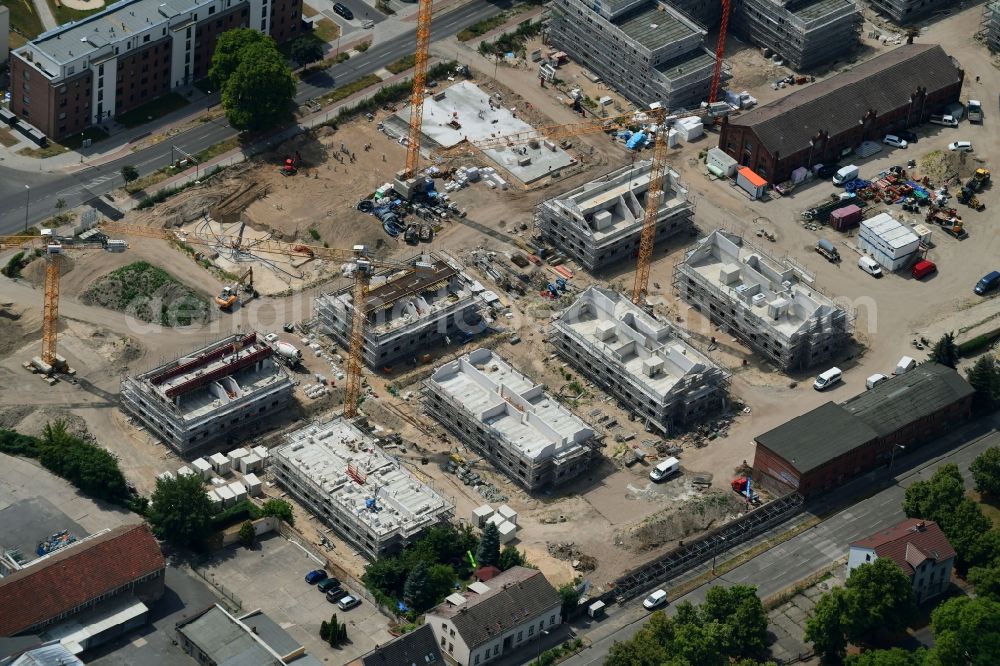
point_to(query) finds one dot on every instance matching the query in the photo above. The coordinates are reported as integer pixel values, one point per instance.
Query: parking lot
(271, 577)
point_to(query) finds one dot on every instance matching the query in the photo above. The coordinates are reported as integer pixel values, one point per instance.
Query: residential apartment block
(771, 305)
(209, 394)
(369, 499)
(492, 619)
(89, 71)
(991, 22)
(646, 364)
(600, 222)
(647, 50)
(524, 431)
(408, 309)
(903, 12)
(920, 549)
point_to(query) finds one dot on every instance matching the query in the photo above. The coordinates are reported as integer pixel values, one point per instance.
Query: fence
(689, 555)
(230, 600)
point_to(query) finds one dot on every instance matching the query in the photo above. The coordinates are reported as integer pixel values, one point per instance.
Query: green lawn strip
(157, 108)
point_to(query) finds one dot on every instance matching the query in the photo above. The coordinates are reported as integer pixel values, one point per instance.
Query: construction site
(580, 382)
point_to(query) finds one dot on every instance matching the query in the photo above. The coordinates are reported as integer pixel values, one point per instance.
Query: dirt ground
(614, 518)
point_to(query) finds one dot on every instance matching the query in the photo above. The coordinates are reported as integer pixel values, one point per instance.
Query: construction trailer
(647, 51)
(209, 394)
(771, 305)
(510, 420)
(646, 364)
(369, 498)
(409, 309)
(804, 33)
(600, 222)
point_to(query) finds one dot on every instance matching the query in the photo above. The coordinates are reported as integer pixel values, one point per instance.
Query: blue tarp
(637, 138)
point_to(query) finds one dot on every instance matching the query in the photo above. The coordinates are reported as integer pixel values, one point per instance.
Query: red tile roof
(910, 543)
(76, 575)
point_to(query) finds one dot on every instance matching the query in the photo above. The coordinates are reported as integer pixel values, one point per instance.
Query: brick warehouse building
(833, 443)
(818, 123)
(90, 71)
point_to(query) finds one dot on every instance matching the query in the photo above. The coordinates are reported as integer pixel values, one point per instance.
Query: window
(211, 10)
(496, 650)
(145, 39)
(452, 633)
(25, 99)
(552, 620)
(531, 630)
(477, 658)
(520, 633)
(62, 116)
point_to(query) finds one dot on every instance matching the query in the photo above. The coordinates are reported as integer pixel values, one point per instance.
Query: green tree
(129, 173)
(511, 557)
(987, 581)
(417, 590)
(986, 471)
(324, 631)
(937, 497)
(228, 53)
(830, 623)
(90, 468)
(258, 94)
(441, 579)
(60, 203)
(966, 632)
(569, 594)
(883, 600)
(647, 647)
(342, 633)
(984, 376)
(279, 508)
(739, 608)
(893, 657)
(945, 351)
(180, 511)
(333, 631)
(965, 527)
(247, 534)
(305, 50)
(488, 553)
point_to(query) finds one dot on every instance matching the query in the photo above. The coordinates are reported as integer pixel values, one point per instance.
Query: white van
(828, 379)
(875, 380)
(905, 364)
(665, 469)
(846, 174)
(870, 266)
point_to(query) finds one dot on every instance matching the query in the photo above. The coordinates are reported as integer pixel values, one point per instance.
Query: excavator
(231, 293)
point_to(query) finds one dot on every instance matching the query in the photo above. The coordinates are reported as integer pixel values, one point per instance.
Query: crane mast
(419, 81)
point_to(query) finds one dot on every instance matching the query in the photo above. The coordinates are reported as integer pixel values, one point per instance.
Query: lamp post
(538, 654)
(892, 458)
(27, 204)
(718, 547)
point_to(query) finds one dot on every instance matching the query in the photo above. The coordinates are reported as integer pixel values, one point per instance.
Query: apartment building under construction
(991, 22)
(771, 305)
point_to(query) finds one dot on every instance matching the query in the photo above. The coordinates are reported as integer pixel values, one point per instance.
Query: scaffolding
(991, 22)
(904, 12)
(805, 33)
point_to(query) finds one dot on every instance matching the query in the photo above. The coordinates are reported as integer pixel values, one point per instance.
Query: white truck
(287, 353)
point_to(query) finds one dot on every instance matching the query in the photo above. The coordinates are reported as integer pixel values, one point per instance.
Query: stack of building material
(689, 128)
(481, 515)
(226, 495)
(253, 485)
(185, 471)
(166, 476)
(508, 531)
(214, 498)
(507, 514)
(239, 491)
(251, 463)
(203, 468)
(261, 452)
(220, 463)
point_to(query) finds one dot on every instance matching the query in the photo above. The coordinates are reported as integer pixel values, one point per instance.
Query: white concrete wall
(857, 557)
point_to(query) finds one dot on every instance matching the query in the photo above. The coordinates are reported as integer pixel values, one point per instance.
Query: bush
(90, 468)
(314, 234)
(279, 508)
(15, 444)
(237, 513)
(363, 46)
(14, 266)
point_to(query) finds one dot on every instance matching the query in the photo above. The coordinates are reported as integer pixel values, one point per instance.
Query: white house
(493, 619)
(920, 549)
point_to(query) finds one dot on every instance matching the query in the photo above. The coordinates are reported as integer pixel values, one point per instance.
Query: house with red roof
(920, 549)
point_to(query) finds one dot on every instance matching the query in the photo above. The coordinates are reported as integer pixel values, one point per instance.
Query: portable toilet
(203, 468)
(507, 531)
(239, 491)
(253, 485)
(507, 514)
(220, 463)
(214, 498)
(481, 515)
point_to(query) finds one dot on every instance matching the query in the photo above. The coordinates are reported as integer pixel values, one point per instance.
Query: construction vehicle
(827, 249)
(982, 178)
(412, 234)
(968, 197)
(290, 167)
(231, 293)
(52, 247)
(285, 352)
(364, 266)
(949, 221)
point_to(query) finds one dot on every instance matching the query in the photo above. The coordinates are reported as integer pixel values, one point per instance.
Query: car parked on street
(655, 600)
(343, 10)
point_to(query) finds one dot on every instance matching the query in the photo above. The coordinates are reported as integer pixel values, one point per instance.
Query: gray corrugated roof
(268, 630)
(909, 397)
(224, 641)
(515, 596)
(415, 648)
(835, 105)
(818, 436)
(652, 27)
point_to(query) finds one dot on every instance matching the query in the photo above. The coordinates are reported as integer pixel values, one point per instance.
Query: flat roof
(513, 406)
(615, 204)
(653, 27)
(741, 272)
(636, 340)
(810, 10)
(401, 284)
(335, 455)
(890, 230)
(686, 64)
(226, 640)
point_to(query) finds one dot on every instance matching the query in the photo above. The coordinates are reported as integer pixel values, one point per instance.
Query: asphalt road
(89, 184)
(798, 557)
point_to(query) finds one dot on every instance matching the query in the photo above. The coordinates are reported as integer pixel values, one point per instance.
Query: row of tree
(728, 629)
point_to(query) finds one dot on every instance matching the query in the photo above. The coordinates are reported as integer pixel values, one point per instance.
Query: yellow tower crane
(658, 169)
(420, 55)
(359, 255)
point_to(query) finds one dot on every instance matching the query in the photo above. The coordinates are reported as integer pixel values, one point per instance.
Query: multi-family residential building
(89, 71)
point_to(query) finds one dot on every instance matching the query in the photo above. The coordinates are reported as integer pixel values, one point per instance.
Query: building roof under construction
(423, 276)
(652, 27)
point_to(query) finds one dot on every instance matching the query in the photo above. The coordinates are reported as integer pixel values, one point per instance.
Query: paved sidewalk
(45, 15)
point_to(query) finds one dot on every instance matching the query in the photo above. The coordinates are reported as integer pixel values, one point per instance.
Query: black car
(907, 136)
(827, 170)
(343, 10)
(336, 594)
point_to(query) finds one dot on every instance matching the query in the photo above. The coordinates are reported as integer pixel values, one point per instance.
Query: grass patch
(23, 18)
(7, 139)
(990, 507)
(482, 27)
(325, 30)
(978, 343)
(75, 142)
(217, 149)
(363, 46)
(343, 92)
(157, 108)
(308, 11)
(65, 14)
(204, 85)
(512, 42)
(148, 293)
(402, 64)
(139, 184)
(50, 150)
